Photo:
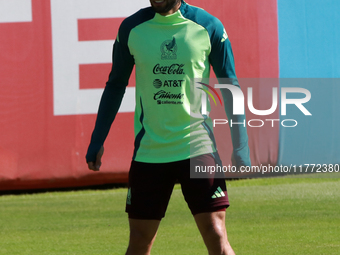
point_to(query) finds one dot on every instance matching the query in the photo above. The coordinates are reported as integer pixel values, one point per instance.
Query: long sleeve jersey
(168, 53)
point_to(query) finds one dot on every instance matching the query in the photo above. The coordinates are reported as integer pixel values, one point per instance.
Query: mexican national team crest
(169, 49)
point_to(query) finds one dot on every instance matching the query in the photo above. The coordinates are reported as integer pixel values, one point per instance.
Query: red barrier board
(47, 84)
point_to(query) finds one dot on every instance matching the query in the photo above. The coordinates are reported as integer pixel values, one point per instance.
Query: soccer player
(169, 43)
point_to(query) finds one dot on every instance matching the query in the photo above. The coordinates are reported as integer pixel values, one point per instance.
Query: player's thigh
(205, 194)
(211, 221)
(149, 190)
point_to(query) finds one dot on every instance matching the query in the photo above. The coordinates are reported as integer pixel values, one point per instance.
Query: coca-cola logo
(172, 69)
(167, 95)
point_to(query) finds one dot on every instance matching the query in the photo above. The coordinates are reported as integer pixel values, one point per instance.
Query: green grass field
(267, 216)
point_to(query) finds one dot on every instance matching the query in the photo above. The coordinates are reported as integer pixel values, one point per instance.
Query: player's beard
(165, 7)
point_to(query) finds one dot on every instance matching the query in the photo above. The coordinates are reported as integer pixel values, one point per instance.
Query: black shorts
(151, 185)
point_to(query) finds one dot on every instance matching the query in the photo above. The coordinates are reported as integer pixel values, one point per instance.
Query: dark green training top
(168, 51)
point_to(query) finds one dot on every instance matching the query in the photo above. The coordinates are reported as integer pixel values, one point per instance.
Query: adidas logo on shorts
(218, 193)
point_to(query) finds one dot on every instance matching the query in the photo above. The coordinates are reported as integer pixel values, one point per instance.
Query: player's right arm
(122, 65)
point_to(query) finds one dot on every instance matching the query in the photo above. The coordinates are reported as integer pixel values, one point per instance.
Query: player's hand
(94, 166)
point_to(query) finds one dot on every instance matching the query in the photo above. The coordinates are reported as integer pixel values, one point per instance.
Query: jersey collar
(174, 18)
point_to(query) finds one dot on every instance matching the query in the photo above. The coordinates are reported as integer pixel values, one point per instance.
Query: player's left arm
(222, 61)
